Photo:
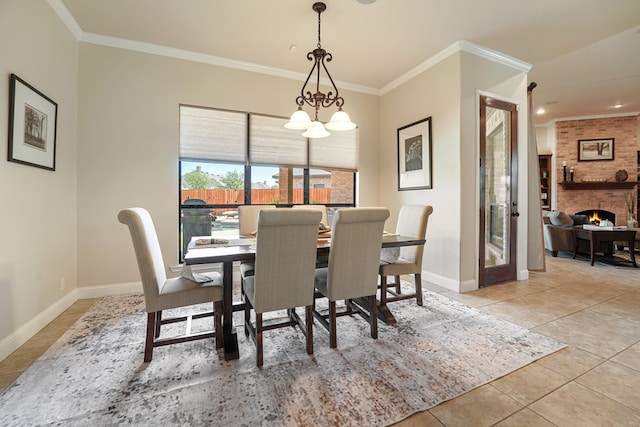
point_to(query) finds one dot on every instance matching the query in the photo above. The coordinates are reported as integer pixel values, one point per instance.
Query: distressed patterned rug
(94, 375)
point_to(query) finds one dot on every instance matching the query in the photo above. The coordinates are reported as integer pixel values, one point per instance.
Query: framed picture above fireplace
(595, 149)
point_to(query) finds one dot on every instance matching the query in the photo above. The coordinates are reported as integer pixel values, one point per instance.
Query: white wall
(448, 92)
(436, 94)
(39, 207)
(128, 145)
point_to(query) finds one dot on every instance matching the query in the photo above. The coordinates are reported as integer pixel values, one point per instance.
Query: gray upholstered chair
(353, 267)
(412, 222)
(162, 293)
(286, 247)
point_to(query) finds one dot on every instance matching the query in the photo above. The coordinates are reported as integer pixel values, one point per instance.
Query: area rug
(95, 375)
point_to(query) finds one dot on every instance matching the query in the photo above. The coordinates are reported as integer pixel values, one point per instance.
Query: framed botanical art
(414, 156)
(32, 126)
(595, 149)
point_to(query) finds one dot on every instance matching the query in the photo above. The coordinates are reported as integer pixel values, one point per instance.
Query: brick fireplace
(596, 216)
(595, 185)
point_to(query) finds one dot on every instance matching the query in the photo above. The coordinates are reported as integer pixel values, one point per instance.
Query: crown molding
(590, 117)
(186, 55)
(66, 18)
(153, 49)
(459, 46)
(495, 56)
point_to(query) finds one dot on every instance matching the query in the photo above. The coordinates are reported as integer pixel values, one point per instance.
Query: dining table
(229, 250)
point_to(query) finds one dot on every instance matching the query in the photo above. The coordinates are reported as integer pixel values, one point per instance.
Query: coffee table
(596, 236)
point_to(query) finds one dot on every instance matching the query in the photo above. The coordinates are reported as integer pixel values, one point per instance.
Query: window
(230, 158)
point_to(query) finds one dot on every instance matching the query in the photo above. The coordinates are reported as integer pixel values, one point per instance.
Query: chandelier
(300, 120)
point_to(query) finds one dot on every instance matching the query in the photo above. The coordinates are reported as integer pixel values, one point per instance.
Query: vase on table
(632, 222)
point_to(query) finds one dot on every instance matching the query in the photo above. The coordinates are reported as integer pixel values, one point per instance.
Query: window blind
(213, 134)
(271, 144)
(337, 151)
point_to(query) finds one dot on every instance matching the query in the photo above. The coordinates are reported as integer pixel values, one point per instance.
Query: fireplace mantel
(598, 185)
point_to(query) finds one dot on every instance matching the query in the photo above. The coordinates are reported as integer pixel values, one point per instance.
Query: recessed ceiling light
(292, 48)
(366, 1)
(618, 105)
(540, 110)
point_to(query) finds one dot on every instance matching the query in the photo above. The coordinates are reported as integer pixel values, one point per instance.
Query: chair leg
(418, 279)
(333, 340)
(309, 324)
(383, 290)
(217, 323)
(373, 317)
(398, 290)
(151, 329)
(247, 315)
(259, 339)
(158, 323)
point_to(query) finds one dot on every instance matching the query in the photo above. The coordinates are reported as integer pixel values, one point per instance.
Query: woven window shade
(337, 151)
(272, 144)
(213, 134)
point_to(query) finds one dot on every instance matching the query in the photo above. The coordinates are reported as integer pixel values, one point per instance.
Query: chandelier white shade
(300, 120)
(340, 121)
(316, 130)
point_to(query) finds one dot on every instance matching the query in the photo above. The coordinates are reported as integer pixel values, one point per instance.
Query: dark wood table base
(596, 236)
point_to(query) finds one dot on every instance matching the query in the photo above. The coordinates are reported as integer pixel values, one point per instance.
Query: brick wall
(625, 132)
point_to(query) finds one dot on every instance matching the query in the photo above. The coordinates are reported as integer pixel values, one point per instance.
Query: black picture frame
(32, 126)
(595, 149)
(414, 156)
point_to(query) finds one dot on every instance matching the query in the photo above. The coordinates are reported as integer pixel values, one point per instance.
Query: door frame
(506, 272)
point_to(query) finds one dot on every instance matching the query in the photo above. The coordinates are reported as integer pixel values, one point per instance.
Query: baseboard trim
(109, 290)
(33, 326)
(452, 285)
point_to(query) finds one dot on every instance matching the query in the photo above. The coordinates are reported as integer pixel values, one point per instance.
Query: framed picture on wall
(414, 156)
(32, 126)
(595, 149)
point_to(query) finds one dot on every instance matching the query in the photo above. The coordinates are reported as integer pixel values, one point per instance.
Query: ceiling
(585, 54)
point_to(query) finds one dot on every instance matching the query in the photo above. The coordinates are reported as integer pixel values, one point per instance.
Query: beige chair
(321, 208)
(412, 222)
(247, 224)
(353, 267)
(284, 272)
(323, 259)
(161, 293)
(248, 218)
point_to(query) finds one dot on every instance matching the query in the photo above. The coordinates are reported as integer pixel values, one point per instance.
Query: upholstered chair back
(148, 253)
(321, 208)
(248, 218)
(286, 247)
(356, 241)
(412, 222)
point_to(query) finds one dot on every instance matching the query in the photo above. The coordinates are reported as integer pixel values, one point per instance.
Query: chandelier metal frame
(319, 56)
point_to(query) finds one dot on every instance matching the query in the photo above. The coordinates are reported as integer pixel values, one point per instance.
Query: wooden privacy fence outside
(267, 196)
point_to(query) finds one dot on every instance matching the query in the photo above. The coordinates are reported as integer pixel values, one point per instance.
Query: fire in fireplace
(596, 216)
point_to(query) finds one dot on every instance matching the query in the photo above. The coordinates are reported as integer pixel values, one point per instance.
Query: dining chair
(247, 226)
(162, 293)
(412, 222)
(323, 259)
(352, 272)
(248, 218)
(321, 208)
(286, 245)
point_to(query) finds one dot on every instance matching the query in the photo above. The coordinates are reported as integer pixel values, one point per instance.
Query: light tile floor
(595, 381)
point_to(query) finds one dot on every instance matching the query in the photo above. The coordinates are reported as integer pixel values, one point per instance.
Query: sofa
(559, 235)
